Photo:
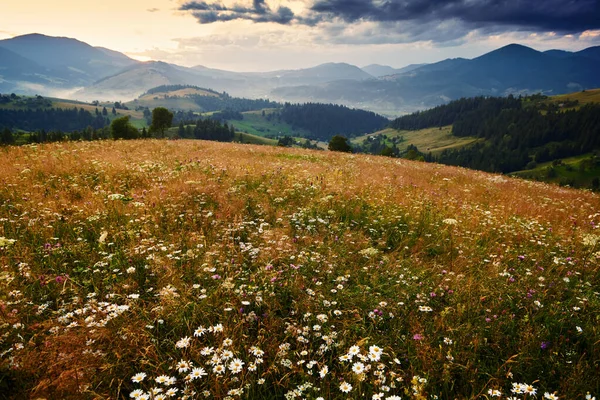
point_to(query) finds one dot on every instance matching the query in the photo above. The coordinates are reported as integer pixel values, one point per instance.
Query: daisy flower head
(323, 371)
(236, 365)
(183, 343)
(183, 366)
(345, 387)
(197, 373)
(136, 394)
(137, 378)
(219, 369)
(358, 368)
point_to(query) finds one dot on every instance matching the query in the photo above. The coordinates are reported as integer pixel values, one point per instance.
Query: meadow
(434, 140)
(203, 270)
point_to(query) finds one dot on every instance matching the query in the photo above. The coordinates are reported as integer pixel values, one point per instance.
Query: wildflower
(199, 331)
(425, 309)
(323, 371)
(345, 387)
(448, 341)
(183, 343)
(137, 378)
(530, 390)
(236, 365)
(358, 368)
(494, 393)
(219, 369)
(417, 336)
(353, 350)
(136, 394)
(369, 252)
(163, 379)
(172, 392)
(197, 373)
(183, 366)
(226, 354)
(579, 330)
(550, 396)
(450, 221)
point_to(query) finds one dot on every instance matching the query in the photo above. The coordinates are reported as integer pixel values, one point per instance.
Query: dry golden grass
(193, 233)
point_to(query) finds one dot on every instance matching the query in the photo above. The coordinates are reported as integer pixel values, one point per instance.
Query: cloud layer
(405, 21)
(259, 11)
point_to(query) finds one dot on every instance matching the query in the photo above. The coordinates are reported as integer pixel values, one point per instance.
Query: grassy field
(165, 269)
(137, 117)
(583, 97)
(240, 137)
(433, 140)
(256, 124)
(575, 171)
(176, 99)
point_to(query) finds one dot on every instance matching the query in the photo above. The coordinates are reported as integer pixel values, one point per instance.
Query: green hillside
(434, 140)
(266, 123)
(582, 97)
(581, 172)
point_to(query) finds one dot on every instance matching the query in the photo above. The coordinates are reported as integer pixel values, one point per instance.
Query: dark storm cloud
(207, 13)
(534, 15)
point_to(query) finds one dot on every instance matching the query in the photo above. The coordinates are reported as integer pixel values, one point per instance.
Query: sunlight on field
(165, 269)
(434, 140)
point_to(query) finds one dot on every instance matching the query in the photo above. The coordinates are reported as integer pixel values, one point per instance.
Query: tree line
(50, 119)
(517, 133)
(234, 104)
(327, 120)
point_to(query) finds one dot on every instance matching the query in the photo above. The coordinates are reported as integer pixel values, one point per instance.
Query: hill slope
(262, 267)
(75, 61)
(512, 69)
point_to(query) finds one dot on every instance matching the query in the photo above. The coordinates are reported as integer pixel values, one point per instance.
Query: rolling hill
(270, 273)
(512, 69)
(39, 64)
(68, 62)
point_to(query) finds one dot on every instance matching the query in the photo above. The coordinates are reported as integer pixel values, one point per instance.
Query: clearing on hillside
(153, 269)
(434, 140)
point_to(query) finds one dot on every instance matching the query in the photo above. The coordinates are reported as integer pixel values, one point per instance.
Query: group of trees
(225, 102)
(32, 119)
(162, 119)
(206, 129)
(517, 132)
(448, 114)
(8, 137)
(327, 120)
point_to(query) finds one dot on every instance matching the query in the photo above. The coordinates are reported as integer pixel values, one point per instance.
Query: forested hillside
(68, 120)
(518, 132)
(326, 120)
(206, 100)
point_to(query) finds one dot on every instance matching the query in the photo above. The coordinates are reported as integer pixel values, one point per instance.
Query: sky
(265, 35)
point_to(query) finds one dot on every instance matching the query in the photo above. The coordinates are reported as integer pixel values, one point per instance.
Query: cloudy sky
(260, 35)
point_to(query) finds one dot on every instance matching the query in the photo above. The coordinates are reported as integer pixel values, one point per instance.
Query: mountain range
(39, 64)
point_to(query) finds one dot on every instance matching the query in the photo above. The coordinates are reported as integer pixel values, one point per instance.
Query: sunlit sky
(261, 35)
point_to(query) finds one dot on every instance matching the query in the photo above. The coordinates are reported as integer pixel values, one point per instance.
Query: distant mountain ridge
(39, 64)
